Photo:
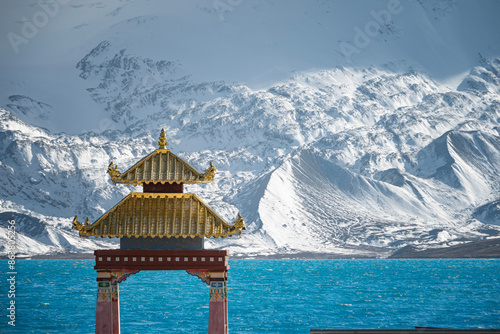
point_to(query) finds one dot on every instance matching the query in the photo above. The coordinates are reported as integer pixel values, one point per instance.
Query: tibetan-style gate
(161, 228)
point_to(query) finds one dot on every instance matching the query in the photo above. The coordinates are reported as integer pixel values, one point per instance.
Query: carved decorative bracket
(203, 275)
(120, 276)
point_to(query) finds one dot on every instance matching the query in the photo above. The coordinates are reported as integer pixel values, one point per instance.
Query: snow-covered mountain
(340, 156)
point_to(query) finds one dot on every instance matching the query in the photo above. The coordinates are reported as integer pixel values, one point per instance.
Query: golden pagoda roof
(160, 215)
(161, 166)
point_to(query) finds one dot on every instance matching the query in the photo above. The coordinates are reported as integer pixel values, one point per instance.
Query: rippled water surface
(265, 296)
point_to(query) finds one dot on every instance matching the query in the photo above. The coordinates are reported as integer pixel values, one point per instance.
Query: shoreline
(483, 249)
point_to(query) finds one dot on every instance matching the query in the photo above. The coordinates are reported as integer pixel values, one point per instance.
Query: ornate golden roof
(161, 166)
(160, 215)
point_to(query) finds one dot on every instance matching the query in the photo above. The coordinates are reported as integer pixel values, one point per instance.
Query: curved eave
(86, 235)
(150, 215)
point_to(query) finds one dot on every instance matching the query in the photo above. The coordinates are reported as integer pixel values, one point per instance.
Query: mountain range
(356, 156)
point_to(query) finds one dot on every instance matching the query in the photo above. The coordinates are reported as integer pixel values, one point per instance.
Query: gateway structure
(161, 228)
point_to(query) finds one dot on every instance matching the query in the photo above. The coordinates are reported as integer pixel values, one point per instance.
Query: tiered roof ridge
(163, 214)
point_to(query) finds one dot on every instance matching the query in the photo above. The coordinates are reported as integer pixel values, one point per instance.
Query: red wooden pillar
(217, 322)
(226, 317)
(104, 306)
(115, 307)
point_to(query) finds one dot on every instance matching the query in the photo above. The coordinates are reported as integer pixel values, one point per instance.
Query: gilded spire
(163, 140)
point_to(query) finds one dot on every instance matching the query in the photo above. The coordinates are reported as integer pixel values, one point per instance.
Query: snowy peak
(57, 174)
(484, 78)
(132, 87)
(37, 237)
(464, 160)
(308, 188)
(29, 109)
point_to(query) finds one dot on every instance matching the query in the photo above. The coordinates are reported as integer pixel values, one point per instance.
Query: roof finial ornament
(239, 223)
(210, 173)
(163, 140)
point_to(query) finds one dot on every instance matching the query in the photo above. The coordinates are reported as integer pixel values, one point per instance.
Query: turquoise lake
(264, 296)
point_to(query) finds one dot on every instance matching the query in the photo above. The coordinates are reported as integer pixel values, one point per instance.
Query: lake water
(265, 296)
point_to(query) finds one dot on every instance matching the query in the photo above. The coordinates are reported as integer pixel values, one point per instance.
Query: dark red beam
(134, 259)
